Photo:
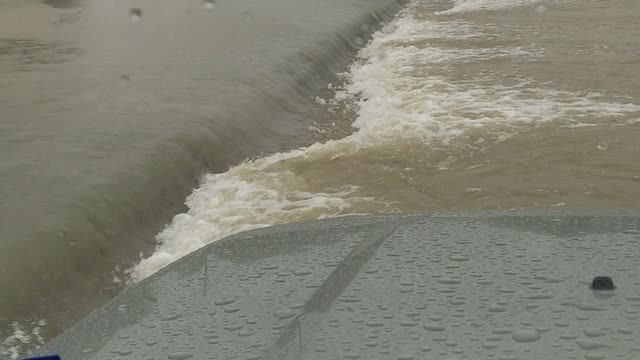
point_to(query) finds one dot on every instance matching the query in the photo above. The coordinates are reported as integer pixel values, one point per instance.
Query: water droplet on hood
(180, 356)
(283, 314)
(222, 302)
(449, 281)
(135, 14)
(434, 327)
(586, 344)
(459, 258)
(593, 332)
(525, 335)
(406, 357)
(593, 356)
(489, 345)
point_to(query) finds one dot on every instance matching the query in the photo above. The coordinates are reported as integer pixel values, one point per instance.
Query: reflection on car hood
(503, 285)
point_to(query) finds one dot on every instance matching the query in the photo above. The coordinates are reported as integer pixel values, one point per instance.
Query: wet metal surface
(408, 287)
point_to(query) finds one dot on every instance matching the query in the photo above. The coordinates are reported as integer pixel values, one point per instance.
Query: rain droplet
(434, 327)
(180, 356)
(283, 314)
(449, 281)
(246, 333)
(209, 4)
(222, 302)
(593, 332)
(374, 323)
(583, 306)
(233, 327)
(408, 323)
(593, 356)
(539, 297)
(459, 258)
(586, 344)
(122, 352)
(135, 14)
(541, 9)
(525, 335)
(625, 331)
(549, 279)
(169, 317)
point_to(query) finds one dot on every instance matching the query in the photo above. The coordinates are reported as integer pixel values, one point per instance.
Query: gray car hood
(497, 286)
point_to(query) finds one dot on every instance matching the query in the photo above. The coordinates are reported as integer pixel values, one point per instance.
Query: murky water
(479, 105)
(463, 105)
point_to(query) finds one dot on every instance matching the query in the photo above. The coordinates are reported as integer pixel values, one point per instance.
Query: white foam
(401, 101)
(398, 99)
(23, 337)
(249, 196)
(460, 6)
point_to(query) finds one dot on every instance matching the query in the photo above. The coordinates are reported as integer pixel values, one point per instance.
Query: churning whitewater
(405, 102)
